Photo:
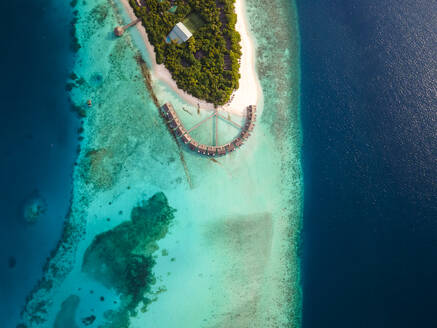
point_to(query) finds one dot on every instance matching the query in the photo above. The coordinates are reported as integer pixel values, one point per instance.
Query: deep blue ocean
(38, 140)
(369, 115)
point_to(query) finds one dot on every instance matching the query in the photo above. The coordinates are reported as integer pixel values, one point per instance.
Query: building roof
(193, 144)
(238, 142)
(186, 138)
(180, 130)
(176, 120)
(211, 150)
(245, 134)
(221, 150)
(229, 147)
(179, 33)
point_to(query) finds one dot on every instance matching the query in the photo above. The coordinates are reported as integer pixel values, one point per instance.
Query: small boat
(89, 103)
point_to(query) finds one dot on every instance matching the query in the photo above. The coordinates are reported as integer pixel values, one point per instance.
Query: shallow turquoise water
(232, 249)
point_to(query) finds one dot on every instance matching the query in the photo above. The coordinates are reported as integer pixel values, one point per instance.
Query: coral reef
(121, 258)
(34, 207)
(88, 320)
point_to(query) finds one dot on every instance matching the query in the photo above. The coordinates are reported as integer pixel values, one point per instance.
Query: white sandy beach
(249, 91)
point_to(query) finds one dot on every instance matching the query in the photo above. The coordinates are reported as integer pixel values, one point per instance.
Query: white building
(180, 33)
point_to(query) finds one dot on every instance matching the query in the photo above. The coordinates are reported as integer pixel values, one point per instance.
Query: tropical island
(204, 61)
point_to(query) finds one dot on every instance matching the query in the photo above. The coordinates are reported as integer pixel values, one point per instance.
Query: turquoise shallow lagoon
(228, 257)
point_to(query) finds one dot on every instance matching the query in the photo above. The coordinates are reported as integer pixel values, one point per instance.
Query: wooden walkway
(136, 21)
(119, 30)
(176, 127)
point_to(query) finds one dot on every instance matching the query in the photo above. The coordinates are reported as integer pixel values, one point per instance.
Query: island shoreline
(249, 91)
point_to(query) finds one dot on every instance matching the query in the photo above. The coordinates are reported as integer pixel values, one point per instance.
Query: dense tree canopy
(207, 65)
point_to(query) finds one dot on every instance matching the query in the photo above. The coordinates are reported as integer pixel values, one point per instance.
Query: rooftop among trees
(207, 65)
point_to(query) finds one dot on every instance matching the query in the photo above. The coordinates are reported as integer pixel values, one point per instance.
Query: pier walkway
(179, 131)
(119, 30)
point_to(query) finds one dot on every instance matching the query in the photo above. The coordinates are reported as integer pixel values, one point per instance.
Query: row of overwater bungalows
(179, 131)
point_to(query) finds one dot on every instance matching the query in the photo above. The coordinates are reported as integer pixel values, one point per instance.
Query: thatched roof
(118, 31)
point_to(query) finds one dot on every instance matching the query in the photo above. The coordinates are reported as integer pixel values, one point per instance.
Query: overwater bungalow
(177, 120)
(230, 147)
(168, 112)
(193, 144)
(221, 150)
(180, 131)
(249, 110)
(166, 107)
(211, 151)
(202, 149)
(167, 116)
(186, 138)
(238, 142)
(172, 125)
(172, 112)
(245, 135)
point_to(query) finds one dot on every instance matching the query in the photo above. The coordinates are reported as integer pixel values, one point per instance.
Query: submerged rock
(34, 207)
(88, 320)
(121, 258)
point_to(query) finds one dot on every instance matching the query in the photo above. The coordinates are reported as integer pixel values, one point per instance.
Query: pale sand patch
(66, 315)
(249, 91)
(245, 244)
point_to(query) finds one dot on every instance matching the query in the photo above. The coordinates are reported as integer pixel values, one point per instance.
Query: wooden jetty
(119, 30)
(175, 125)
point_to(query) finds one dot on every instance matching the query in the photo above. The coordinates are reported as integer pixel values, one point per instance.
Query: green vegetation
(207, 65)
(122, 258)
(193, 22)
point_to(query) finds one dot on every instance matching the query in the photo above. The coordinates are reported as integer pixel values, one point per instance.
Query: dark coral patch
(121, 258)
